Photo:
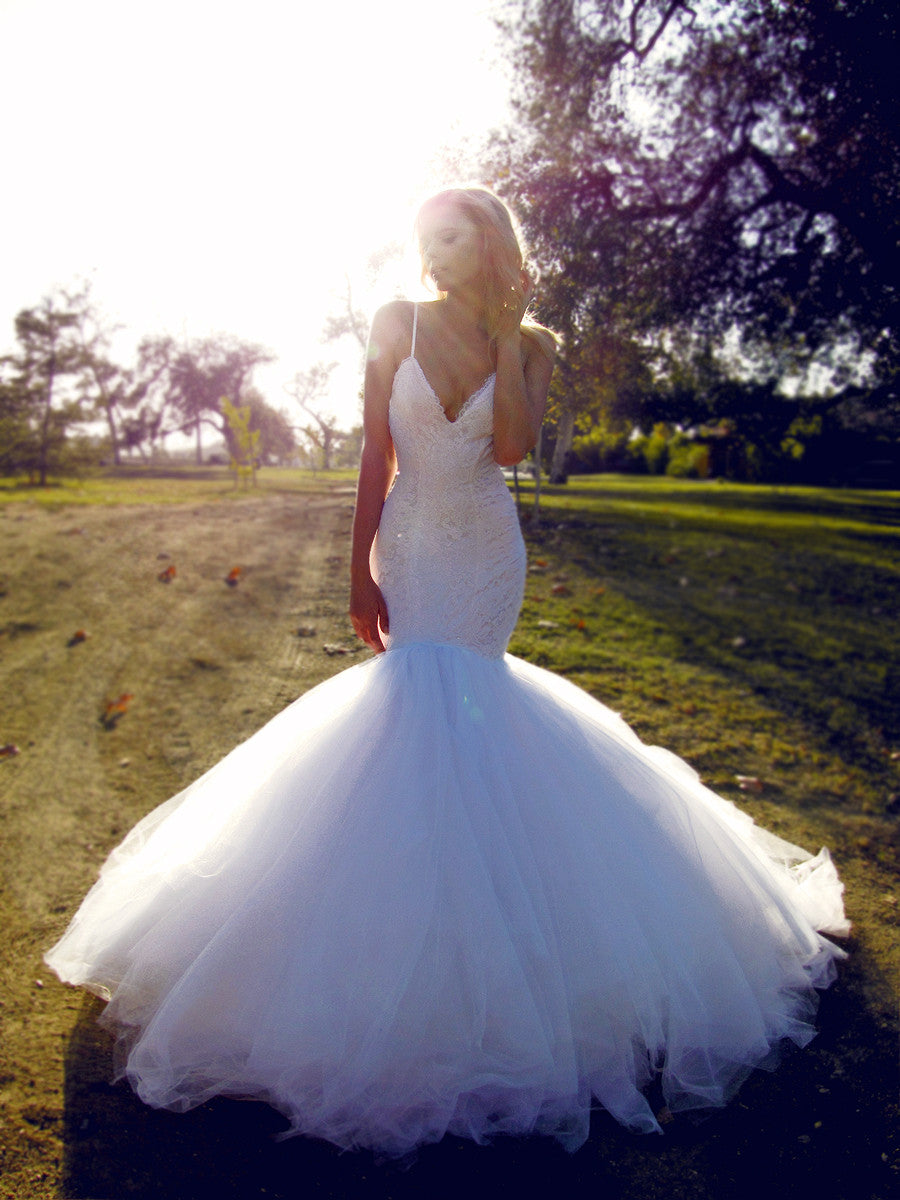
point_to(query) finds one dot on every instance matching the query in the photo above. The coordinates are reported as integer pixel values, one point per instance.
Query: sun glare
(227, 167)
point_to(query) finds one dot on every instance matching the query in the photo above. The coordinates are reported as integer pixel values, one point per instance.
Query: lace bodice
(449, 556)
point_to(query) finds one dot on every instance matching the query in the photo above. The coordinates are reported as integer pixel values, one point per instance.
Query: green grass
(166, 485)
(751, 629)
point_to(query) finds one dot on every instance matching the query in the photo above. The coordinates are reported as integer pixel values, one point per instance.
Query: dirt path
(207, 664)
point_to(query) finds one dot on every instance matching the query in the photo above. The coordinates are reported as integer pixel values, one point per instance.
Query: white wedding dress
(447, 890)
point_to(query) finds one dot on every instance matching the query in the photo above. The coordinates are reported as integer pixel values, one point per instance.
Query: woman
(447, 890)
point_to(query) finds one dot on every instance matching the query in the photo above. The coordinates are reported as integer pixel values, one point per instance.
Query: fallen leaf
(78, 636)
(561, 589)
(233, 577)
(749, 783)
(167, 575)
(10, 750)
(115, 709)
(306, 631)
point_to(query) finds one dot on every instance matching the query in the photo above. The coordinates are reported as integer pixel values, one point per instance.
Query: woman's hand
(515, 307)
(368, 612)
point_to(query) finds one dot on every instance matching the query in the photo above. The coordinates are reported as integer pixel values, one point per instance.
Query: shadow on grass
(658, 492)
(806, 621)
(826, 1113)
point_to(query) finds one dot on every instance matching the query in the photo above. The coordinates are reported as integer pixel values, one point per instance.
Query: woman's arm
(524, 369)
(520, 397)
(378, 465)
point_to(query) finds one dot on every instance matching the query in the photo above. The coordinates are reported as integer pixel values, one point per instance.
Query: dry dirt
(206, 664)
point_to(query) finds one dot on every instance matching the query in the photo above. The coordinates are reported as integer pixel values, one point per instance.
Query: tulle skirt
(441, 892)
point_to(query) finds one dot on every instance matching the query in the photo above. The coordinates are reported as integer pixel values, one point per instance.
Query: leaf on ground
(10, 750)
(167, 575)
(116, 709)
(749, 783)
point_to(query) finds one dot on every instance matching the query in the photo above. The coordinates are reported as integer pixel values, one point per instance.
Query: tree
(193, 376)
(351, 322)
(38, 408)
(602, 373)
(713, 168)
(276, 437)
(16, 433)
(113, 391)
(244, 441)
(309, 388)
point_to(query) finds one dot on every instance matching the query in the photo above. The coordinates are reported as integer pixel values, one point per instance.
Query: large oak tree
(706, 169)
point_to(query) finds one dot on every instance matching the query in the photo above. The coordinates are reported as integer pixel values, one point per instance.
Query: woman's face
(451, 248)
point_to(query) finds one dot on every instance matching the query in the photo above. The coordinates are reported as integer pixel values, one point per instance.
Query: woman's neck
(465, 310)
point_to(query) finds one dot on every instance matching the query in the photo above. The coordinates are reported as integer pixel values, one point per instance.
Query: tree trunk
(113, 432)
(199, 445)
(44, 447)
(565, 432)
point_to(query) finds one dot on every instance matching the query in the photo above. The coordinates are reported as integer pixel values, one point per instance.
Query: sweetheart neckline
(465, 404)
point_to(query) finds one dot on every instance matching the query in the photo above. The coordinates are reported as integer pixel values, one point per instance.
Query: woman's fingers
(368, 612)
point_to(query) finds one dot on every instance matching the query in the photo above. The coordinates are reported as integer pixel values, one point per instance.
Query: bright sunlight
(225, 167)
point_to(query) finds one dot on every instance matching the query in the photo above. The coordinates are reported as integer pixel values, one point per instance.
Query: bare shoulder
(393, 321)
(539, 343)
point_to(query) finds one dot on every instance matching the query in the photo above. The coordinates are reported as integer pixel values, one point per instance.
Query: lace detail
(449, 555)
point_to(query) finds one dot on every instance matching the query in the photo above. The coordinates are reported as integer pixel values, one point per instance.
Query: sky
(217, 166)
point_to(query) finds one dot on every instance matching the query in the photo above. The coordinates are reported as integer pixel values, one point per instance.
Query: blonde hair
(503, 259)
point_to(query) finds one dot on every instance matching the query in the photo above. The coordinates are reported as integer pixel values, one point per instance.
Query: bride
(447, 890)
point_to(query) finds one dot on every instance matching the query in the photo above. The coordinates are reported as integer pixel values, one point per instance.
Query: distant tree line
(65, 403)
(711, 195)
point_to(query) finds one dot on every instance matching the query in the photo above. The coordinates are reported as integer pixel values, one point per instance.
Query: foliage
(309, 388)
(605, 445)
(37, 408)
(244, 440)
(711, 169)
(192, 376)
(109, 390)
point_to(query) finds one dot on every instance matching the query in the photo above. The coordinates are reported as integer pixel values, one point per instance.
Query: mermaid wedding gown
(447, 890)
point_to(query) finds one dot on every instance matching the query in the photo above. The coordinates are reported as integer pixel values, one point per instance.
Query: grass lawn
(139, 484)
(753, 630)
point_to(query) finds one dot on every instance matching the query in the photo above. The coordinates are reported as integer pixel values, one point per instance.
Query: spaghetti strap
(412, 348)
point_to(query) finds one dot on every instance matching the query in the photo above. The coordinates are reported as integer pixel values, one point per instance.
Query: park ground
(751, 630)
